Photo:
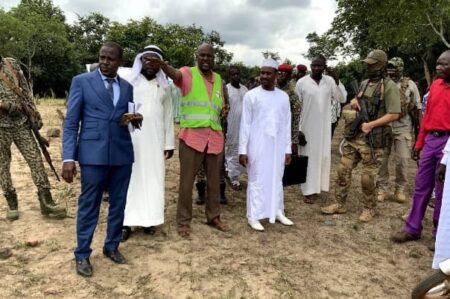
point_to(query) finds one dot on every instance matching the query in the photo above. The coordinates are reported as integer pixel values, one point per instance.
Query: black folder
(295, 172)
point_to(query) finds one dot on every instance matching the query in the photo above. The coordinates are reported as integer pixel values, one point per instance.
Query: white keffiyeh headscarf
(137, 66)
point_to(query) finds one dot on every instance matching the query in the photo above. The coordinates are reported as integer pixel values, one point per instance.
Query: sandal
(184, 231)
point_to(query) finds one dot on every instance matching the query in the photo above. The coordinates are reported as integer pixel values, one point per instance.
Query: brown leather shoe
(216, 223)
(403, 237)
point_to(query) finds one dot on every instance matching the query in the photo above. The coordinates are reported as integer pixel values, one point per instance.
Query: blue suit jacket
(100, 140)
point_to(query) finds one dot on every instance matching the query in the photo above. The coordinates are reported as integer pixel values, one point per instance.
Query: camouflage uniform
(402, 130)
(296, 109)
(357, 149)
(14, 128)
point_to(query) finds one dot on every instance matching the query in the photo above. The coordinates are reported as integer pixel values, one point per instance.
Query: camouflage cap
(376, 56)
(396, 63)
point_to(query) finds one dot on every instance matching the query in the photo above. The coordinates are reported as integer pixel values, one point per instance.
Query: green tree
(35, 34)
(87, 35)
(269, 54)
(412, 29)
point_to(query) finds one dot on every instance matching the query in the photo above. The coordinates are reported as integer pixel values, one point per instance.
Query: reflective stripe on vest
(197, 108)
(199, 103)
(200, 117)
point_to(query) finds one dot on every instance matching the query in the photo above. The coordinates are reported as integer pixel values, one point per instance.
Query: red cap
(302, 68)
(285, 67)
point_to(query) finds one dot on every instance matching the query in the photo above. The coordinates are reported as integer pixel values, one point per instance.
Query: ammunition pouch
(353, 127)
(352, 123)
(381, 137)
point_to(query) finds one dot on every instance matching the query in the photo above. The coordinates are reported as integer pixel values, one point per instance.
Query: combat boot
(48, 207)
(334, 208)
(399, 196)
(382, 195)
(367, 215)
(13, 212)
(223, 198)
(201, 190)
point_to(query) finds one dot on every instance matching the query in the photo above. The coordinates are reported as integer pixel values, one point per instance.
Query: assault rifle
(363, 115)
(43, 143)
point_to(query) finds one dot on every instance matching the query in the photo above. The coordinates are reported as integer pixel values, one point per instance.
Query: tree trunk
(426, 69)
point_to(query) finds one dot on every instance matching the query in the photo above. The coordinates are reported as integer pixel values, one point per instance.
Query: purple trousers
(425, 183)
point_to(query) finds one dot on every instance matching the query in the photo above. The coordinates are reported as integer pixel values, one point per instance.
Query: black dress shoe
(126, 232)
(115, 256)
(84, 267)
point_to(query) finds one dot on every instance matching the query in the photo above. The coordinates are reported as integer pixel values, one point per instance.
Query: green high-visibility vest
(197, 109)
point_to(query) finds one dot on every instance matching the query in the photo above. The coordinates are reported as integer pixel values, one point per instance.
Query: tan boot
(382, 195)
(399, 196)
(367, 215)
(334, 208)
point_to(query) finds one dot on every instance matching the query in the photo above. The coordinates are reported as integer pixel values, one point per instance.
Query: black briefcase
(295, 172)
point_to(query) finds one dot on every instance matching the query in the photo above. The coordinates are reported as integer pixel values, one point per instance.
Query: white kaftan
(442, 250)
(265, 136)
(145, 199)
(315, 123)
(236, 97)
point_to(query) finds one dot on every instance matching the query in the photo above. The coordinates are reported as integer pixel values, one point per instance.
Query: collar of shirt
(116, 78)
(115, 86)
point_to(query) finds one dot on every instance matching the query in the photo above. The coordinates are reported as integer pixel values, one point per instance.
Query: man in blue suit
(95, 136)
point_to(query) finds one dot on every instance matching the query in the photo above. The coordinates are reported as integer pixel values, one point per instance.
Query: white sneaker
(256, 225)
(284, 220)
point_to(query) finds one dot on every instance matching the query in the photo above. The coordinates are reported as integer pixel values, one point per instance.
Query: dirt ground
(319, 257)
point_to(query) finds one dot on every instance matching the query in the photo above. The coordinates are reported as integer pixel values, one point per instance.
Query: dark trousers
(190, 162)
(94, 179)
(333, 127)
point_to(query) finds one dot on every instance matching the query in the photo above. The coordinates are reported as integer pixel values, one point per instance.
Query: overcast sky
(248, 27)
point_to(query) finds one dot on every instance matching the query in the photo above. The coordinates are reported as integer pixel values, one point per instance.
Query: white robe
(145, 199)
(315, 123)
(442, 250)
(236, 97)
(265, 136)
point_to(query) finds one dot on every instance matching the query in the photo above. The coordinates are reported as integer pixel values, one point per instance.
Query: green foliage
(415, 30)
(34, 32)
(246, 71)
(87, 35)
(321, 45)
(268, 54)
(52, 52)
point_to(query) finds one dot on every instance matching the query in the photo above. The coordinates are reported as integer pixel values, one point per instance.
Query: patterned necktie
(110, 89)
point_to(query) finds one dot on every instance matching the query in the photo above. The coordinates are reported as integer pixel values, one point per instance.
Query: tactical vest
(197, 108)
(381, 136)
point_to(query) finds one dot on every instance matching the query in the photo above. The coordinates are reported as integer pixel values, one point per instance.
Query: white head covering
(137, 66)
(270, 62)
